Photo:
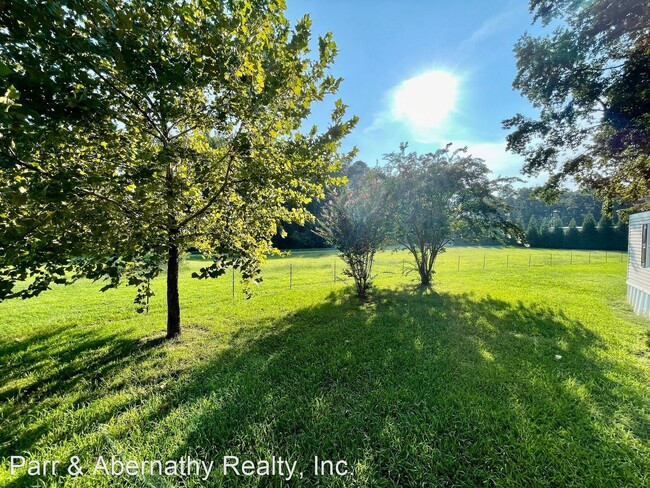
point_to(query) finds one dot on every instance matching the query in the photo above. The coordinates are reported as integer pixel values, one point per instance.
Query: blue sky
(425, 72)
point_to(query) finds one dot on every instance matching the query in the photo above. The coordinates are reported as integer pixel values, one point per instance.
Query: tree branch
(31, 167)
(135, 104)
(218, 193)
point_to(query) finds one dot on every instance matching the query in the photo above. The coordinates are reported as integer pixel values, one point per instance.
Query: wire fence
(306, 269)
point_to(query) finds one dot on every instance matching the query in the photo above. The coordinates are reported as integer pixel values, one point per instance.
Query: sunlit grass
(458, 385)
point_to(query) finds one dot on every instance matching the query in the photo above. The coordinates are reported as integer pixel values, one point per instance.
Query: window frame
(644, 246)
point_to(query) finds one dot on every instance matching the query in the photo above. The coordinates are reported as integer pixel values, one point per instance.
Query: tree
(588, 79)
(515, 240)
(621, 234)
(437, 197)
(306, 235)
(589, 233)
(355, 170)
(141, 129)
(355, 222)
(570, 205)
(545, 234)
(532, 233)
(301, 235)
(557, 234)
(606, 234)
(572, 238)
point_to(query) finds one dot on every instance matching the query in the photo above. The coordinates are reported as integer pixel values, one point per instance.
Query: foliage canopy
(437, 197)
(589, 80)
(355, 221)
(135, 130)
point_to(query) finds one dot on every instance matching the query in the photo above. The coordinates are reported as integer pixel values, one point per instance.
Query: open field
(458, 385)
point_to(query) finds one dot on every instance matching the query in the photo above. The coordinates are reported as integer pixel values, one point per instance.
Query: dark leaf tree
(532, 232)
(606, 234)
(437, 197)
(589, 233)
(589, 81)
(572, 238)
(134, 130)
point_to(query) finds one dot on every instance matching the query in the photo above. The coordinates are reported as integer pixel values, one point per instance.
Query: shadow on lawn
(63, 362)
(414, 389)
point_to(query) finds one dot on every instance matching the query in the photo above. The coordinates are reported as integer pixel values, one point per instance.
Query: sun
(425, 101)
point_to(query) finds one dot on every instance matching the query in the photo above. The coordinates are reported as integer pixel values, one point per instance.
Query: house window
(644, 247)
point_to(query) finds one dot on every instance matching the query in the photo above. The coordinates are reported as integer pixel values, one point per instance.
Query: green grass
(457, 385)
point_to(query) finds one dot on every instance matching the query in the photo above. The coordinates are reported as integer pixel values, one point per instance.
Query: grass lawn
(458, 385)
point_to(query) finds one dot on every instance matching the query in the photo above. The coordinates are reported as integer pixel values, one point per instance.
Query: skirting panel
(639, 300)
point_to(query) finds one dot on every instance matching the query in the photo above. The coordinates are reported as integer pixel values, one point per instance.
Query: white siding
(638, 278)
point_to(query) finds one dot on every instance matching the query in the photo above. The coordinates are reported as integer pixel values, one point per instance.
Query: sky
(426, 72)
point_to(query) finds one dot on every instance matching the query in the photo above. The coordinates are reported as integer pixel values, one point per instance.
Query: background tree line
(603, 235)
(574, 221)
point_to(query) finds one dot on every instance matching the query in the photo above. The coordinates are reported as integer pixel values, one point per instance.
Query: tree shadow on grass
(61, 365)
(413, 390)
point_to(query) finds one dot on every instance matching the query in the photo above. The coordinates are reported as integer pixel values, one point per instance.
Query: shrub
(354, 221)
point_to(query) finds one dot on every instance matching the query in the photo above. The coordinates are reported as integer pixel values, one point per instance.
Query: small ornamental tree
(354, 221)
(437, 197)
(132, 131)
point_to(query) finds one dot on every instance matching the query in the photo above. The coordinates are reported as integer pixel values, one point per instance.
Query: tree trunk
(425, 275)
(173, 303)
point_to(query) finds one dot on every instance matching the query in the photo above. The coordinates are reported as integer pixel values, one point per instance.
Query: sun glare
(424, 102)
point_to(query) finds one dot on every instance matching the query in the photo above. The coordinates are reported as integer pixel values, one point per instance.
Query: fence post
(551, 264)
(605, 256)
(507, 260)
(571, 262)
(334, 271)
(233, 282)
(483, 261)
(458, 263)
(291, 276)
(529, 257)
(589, 257)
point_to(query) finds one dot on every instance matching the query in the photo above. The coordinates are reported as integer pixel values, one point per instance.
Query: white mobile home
(638, 263)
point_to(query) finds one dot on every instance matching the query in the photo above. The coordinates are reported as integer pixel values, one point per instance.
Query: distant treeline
(572, 205)
(575, 221)
(603, 236)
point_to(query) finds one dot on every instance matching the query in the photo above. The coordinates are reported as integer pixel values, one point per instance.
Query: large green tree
(437, 197)
(589, 81)
(136, 129)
